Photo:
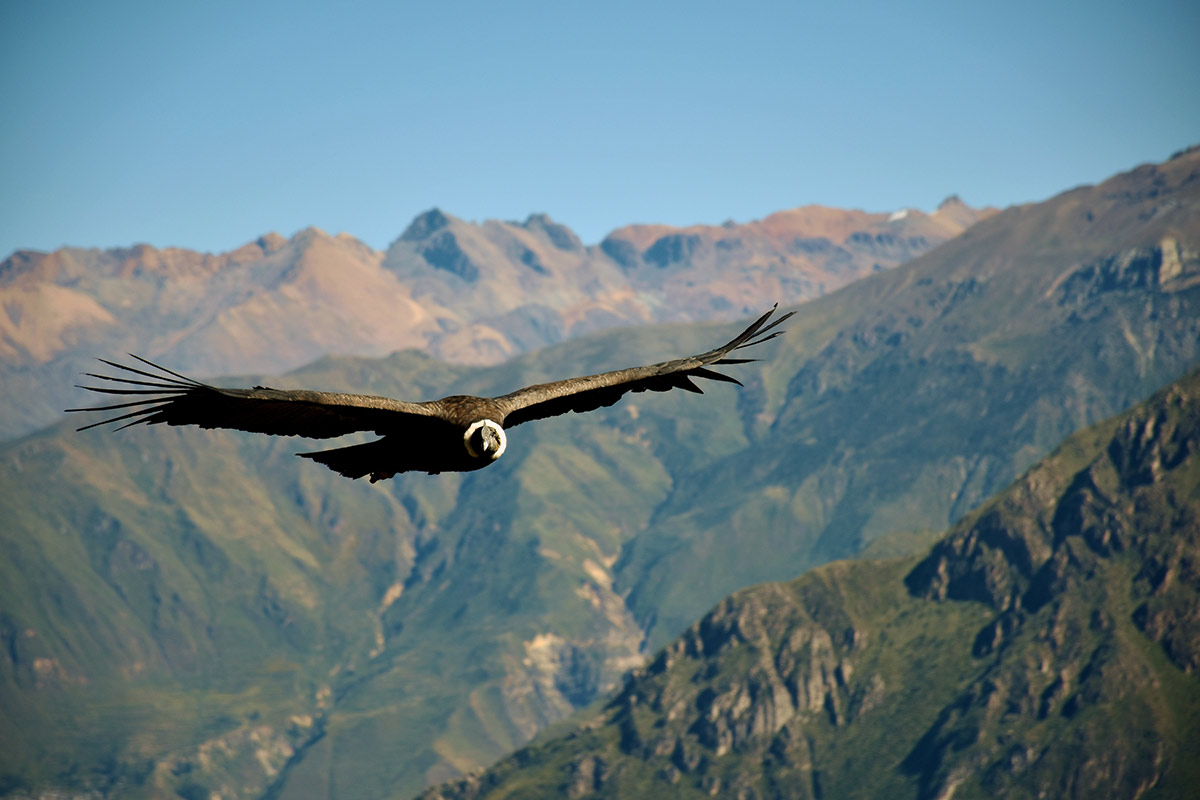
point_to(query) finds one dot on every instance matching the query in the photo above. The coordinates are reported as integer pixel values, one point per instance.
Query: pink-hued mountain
(460, 291)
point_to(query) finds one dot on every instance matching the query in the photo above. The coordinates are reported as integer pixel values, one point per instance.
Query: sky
(206, 125)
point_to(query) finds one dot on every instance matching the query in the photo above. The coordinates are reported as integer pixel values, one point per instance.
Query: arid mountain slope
(464, 292)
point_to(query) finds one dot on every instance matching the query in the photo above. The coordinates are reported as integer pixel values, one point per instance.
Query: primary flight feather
(455, 434)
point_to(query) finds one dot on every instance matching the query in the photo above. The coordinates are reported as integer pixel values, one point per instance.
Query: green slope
(903, 401)
(1047, 646)
(195, 593)
(164, 592)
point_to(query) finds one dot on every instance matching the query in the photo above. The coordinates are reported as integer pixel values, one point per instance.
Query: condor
(454, 434)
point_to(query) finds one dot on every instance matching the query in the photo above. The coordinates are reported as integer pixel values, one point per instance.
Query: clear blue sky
(206, 124)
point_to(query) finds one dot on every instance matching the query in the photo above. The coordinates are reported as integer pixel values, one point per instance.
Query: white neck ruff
(485, 423)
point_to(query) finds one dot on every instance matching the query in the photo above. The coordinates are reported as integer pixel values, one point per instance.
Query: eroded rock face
(1167, 266)
(788, 667)
(991, 563)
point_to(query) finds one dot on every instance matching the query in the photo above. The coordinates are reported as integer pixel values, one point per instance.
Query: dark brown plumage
(454, 434)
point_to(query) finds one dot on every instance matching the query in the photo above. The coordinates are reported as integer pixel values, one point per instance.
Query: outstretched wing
(594, 391)
(177, 400)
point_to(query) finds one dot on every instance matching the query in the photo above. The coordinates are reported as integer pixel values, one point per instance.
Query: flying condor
(454, 434)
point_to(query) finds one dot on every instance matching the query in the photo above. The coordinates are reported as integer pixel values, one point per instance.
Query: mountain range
(463, 292)
(1047, 646)
(199, 611)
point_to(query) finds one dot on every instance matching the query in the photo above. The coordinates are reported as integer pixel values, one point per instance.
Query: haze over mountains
(463, 292)
(253, 625)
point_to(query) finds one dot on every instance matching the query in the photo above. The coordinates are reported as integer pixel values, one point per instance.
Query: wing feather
(174, 399)
(596, 391)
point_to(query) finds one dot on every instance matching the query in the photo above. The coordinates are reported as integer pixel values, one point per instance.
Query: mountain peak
(308, 234)
(951, 201)
(20, 263)
(559, 235)
(425, 224)
(270, 242)
(538, 219)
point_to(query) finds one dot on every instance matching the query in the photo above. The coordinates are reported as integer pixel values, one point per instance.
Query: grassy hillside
(1047, 646)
